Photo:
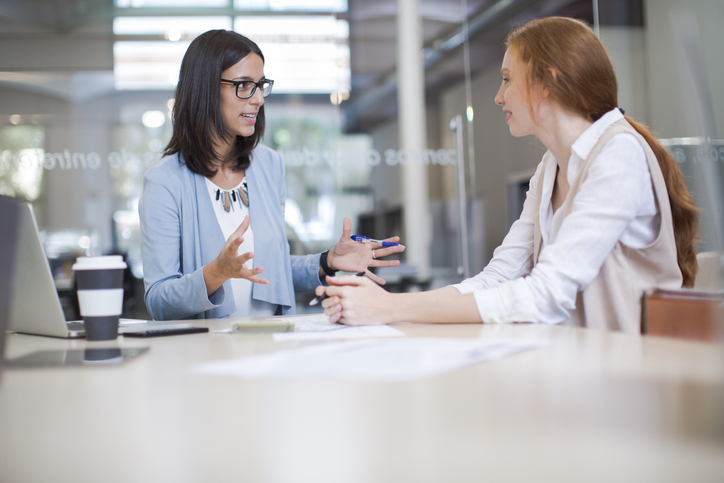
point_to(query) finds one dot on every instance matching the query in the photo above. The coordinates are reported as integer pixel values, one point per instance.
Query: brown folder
(684, 314)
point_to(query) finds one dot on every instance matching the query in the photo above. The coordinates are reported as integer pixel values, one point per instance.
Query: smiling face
(239, 115)
(513, 97)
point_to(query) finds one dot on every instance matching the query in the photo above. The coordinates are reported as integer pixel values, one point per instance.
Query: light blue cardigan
(180, 234)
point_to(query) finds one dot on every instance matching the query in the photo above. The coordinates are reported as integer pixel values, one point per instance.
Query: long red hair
(564, 56)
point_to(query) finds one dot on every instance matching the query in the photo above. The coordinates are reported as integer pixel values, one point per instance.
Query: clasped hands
(346, 255)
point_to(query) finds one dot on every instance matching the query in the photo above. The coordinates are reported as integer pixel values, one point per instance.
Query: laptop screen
(8, 242)
(35, 307)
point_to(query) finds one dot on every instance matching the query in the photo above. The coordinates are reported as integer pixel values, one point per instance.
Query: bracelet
(326, 268)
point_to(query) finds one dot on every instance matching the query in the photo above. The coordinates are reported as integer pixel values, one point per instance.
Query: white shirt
(615, 202)
(229, 222)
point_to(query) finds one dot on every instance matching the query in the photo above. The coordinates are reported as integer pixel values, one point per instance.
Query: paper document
(313, 323)
(309, 327)
(318, 327)
(301, 323)
(398, 359)
(123, 321)
(337, 332)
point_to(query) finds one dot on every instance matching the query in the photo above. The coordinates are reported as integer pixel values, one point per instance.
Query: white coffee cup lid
(99, 263)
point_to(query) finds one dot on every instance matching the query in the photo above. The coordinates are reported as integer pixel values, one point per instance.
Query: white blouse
(229, 222)
(615, 202)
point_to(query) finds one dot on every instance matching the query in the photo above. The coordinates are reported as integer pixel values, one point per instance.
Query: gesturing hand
(229, 264)
(351, 256)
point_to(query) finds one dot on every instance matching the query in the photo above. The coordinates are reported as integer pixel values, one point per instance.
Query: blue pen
(316, 300)
(366, 239)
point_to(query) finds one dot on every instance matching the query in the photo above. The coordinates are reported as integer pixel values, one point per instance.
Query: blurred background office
(383, 111)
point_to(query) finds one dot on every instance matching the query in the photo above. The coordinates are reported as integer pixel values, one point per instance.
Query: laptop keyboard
(75, 326)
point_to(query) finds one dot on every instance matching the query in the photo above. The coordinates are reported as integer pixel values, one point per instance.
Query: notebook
(34, 304)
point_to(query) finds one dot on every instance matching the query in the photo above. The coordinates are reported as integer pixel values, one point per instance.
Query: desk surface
(589, 406)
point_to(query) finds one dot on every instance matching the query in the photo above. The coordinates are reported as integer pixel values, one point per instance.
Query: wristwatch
(323, 263)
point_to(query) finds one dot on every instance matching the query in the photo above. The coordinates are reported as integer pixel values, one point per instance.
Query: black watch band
(325, 267)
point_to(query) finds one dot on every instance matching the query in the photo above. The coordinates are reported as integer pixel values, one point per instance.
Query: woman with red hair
(607, 215)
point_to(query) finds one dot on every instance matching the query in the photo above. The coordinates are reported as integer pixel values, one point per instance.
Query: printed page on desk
(388, 360)
(318, 328)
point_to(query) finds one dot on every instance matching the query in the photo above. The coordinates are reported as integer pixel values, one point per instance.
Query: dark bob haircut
(196, 116)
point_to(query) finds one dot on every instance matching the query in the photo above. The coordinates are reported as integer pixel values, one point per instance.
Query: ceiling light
(174, 35)
(153, 119)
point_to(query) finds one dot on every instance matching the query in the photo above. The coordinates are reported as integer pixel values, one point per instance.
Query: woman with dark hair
(212, 211)
(606, 217)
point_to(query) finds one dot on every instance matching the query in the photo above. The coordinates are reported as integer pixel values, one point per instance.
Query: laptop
(9, 219)
(34, 303)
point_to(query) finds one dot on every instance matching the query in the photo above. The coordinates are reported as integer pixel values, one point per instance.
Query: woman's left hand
(355, 300)
(351, 256)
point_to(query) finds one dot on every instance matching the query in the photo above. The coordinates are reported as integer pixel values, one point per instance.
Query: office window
(302, 54)
(172, 28)
(171, 3)
(21, 161)
(155, 64)
(292, 5)
(147, 65)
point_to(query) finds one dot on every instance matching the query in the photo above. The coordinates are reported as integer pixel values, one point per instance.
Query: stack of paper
(398, 359)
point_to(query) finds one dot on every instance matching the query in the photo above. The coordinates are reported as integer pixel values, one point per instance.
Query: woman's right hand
(356, 300)
(229, 264)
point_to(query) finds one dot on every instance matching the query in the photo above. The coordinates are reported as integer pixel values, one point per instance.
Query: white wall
(669, 98)
(627, 48)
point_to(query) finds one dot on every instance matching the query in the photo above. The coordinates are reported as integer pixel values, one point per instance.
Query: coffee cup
(99, 283)
(102, 356)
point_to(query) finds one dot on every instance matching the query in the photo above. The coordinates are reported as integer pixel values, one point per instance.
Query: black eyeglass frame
(259, 84)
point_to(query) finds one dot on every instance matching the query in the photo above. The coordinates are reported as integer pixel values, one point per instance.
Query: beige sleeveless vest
(612, 301)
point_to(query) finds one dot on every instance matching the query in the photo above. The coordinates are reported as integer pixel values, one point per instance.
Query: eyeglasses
(246, 88)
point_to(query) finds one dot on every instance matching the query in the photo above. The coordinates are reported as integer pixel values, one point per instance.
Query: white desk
(591, 406)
